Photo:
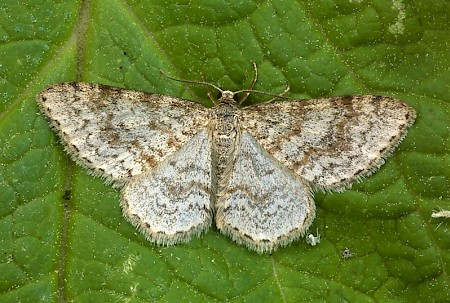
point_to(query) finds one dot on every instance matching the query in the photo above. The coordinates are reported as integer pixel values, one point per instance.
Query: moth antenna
(192, 81)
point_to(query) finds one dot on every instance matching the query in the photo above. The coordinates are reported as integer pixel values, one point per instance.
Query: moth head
(228, 97)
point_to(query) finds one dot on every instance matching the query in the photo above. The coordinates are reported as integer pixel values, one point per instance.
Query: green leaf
(62, 235)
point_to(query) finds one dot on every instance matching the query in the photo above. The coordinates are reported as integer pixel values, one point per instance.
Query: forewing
(330, 142)
(119, 133)
(262, 204)
(172, 202)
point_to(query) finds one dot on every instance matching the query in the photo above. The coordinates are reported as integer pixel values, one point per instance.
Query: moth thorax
(224, 130)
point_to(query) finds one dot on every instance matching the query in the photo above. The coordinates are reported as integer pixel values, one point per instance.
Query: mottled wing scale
(330, 142)
(119, 133)
(174, 201)
(140, 139)
(162, 150)
(262, 204)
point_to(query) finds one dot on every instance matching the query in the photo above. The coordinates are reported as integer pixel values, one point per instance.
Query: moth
(251, 169)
